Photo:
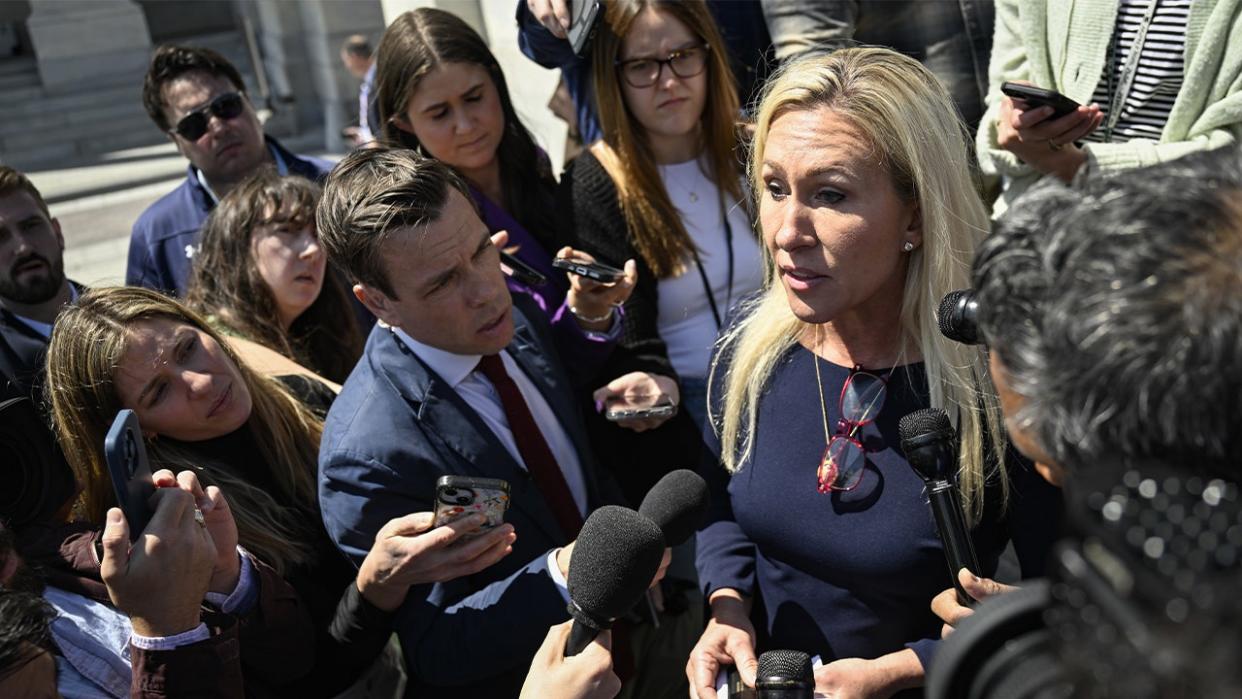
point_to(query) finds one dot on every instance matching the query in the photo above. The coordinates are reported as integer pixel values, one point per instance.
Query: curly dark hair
(226, 283)
(1115, 309)
(170, 62)
(24, 627)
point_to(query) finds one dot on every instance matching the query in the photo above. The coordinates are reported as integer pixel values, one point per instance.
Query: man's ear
(378, 303)
(60, 238)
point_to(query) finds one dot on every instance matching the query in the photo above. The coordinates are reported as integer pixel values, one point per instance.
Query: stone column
(81, 43)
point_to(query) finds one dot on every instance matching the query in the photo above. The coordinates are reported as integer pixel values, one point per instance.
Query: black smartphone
(131, 472)
(590, 270)
(583, 19)
(461, 496)
(1040, 97)
(622, 414)
(521, 271)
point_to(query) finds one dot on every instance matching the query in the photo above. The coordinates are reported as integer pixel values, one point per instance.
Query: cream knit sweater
(1063, 44)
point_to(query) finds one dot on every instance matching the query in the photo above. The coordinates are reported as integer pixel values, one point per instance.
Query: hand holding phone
(639, 401)
(1040, 97)
(126, 456)
(591, 270)
(462, 496)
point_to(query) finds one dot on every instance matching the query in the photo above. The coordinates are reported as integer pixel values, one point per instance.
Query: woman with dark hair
(442, 92)
(261, 275)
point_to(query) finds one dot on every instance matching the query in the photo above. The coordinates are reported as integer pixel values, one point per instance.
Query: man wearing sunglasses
(199, 100)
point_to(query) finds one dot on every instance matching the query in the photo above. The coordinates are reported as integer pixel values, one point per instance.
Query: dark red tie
(534, 449)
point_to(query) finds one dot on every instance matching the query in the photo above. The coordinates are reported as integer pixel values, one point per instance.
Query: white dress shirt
(459, 371)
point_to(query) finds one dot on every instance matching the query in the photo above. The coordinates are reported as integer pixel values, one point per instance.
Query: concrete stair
(39, 130)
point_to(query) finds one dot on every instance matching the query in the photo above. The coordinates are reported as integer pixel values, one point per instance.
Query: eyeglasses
(645, 72)
(227, 106)
(845, 458)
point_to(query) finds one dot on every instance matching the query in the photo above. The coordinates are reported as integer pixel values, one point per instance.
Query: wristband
(589, 319)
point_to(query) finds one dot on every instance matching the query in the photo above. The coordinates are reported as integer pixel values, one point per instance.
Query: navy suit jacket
(397, 427)
(22, 355)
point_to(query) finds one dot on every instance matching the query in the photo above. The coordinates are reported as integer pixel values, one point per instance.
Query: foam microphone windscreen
(677, 504)
(615, 558)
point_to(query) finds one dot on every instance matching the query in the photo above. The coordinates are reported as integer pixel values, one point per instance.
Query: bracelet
(596, 319)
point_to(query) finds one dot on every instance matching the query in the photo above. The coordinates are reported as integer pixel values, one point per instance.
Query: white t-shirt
(685, 318)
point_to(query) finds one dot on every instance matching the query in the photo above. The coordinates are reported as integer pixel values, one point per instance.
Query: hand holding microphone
(930, 445)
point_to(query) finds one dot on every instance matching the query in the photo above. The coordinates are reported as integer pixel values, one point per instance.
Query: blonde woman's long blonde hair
(915, 131)
(86, 347)
(654, 223)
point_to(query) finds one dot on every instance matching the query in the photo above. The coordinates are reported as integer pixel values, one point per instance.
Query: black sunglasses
(227, 106)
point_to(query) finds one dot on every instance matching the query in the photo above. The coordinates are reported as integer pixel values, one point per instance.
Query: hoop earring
(908, 246)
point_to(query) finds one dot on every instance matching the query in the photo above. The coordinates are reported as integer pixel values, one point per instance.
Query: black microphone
(957, 316)
(677, 504)
(930, 444)
(617, 554)
(785, 674)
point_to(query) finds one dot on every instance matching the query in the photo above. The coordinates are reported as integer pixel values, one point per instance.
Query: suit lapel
(447, 418)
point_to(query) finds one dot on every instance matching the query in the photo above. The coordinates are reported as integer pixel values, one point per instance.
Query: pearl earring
(908, 246)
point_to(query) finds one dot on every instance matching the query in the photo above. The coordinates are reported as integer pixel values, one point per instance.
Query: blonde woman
(664, 186)
(821, 539)
(202, 410)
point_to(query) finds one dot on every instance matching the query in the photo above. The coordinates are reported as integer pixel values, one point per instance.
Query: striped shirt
(1159, 73)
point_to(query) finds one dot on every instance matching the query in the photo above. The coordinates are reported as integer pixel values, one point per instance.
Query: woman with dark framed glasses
(663, 186)
(821, 538)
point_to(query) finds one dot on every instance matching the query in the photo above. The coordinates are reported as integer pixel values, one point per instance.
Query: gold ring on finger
(198, 517)
(1053, 145)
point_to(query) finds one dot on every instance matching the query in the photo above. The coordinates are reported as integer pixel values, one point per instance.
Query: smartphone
(621, 414)
(590, 270)
(521, 271)
(583, 20)
(131, 472)
(1040, 97)
(461, 496)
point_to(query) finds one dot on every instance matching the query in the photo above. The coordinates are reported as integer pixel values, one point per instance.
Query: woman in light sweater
(1179, 94)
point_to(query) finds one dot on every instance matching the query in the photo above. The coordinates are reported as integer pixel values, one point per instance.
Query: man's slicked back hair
(373, 192)
(170, 62)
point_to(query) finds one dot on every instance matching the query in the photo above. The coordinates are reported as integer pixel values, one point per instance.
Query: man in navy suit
(459, 378)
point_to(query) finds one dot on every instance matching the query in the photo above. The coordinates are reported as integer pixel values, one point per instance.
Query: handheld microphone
(677, 504)
(617, 554)
(930, 444)
(785, 674)
(957, 316)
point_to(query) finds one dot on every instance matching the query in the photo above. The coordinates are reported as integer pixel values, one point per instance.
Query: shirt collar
(282, 169)
(452, 367)
(45, 329)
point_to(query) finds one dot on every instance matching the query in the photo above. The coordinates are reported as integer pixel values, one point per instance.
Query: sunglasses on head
(193, 125)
